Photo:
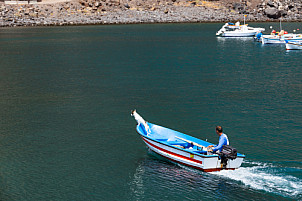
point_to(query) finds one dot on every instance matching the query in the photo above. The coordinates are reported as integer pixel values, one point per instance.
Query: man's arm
(221, 143)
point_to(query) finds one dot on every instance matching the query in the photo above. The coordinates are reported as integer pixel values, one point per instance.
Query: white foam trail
(265, 176)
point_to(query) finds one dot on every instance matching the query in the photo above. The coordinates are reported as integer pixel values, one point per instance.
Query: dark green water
(66, 95)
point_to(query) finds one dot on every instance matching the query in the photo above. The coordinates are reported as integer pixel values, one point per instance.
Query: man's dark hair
(219, 129)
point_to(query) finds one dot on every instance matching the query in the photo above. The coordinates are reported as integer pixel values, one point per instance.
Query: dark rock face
(289, 10)
(283, 13)
(238, 6)
(272, 13)
(271, 4)
(148, 11)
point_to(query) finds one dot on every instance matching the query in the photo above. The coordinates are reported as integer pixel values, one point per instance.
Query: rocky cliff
(146, 11)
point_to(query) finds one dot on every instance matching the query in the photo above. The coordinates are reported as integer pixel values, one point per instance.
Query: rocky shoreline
(145, 11)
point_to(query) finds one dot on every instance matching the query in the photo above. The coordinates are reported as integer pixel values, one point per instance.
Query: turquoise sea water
(66, 93)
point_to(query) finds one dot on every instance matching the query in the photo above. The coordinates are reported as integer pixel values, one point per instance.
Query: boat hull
(197, 161)
(278, 40)
(238, 34)
(272, 40)
(293, 46)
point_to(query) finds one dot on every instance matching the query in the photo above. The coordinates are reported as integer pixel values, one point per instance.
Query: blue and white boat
(280, 38)
(291, 45)
(185, 149)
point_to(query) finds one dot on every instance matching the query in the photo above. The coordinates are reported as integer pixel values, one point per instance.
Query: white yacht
(237, 30)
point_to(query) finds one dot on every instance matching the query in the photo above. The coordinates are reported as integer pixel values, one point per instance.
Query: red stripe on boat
(196, 167)
(172, 153)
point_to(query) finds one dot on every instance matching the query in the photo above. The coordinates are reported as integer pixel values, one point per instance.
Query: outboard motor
(227, 153)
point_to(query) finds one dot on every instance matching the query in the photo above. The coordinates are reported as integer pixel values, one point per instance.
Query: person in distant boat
(223, 140)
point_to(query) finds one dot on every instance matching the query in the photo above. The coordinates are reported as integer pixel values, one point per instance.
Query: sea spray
(268, 177)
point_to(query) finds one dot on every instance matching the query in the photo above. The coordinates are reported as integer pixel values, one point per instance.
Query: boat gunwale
(184, 150)
(196, 167)
(295, 44)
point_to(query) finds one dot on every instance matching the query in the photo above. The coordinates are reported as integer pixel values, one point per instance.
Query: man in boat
(223, 140)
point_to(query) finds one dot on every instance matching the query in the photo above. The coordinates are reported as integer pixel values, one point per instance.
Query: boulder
(238, 6)
(271, 4)
(126, 5)
(290, 6)
(272, 13)
(283, 13)
(97, 4)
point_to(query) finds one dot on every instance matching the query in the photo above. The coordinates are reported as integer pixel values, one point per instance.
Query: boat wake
(281, 179)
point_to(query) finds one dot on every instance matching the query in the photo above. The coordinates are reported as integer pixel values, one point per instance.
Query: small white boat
(185, 149)
(280, 38)
(237, 30)
(290, 45)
